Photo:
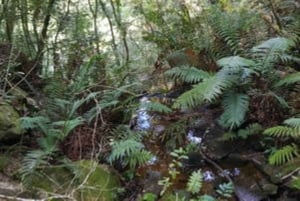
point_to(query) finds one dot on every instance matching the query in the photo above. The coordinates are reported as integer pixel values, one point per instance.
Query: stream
(250, 183)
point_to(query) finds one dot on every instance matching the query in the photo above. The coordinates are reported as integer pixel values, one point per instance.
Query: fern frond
(32, 161)
(289, 79)
(279, 131)
(68, 125)
(278, 44)
(123, 148)
(250, 130)
(206, 198)
(194, 183)
(235, 62)
(208, 90)
(235, 108)
(35, 122)
(293, 122)
(283, 155)
(138, 158)
(225, 189)
(188, 74)
(156, 107)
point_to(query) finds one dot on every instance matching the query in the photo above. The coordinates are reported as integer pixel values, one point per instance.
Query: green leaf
(279, 131)
(188, 74)
(278, 44)
(283, 155)
(235, 108)
(156, 107)
(208, 90)
(195, 182)
(235, 62)
(225, 189)
(289, 79)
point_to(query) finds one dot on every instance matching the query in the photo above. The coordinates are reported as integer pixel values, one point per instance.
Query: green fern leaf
(235, 108)
(188, 74)
(138, 158)
(278, 44)
(250, 130)
(124, 148)
(283, 155)
(279, 131)
(235, 62)
(195, 182)
(289, 79)
(208, 90)
(156, 107)
(293, 122)
(225, 189)
(206, 198)
(35, 122)
(68, 126)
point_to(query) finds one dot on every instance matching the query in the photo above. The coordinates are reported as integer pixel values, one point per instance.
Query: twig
(290, 174)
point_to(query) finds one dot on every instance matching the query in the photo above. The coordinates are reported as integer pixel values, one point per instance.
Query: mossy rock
(10, 125)
(87, 180)
(99, 183)
(51, 179)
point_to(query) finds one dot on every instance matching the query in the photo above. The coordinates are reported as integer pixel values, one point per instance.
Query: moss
(89, 180)
(3, 162)
(98, 182)
(9, 121)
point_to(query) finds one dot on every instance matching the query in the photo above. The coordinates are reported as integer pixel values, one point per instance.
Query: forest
(150, 100)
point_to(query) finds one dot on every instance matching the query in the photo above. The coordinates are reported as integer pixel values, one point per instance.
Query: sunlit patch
(192, 138)
(143, 118)
(208, 176)
(152, 161)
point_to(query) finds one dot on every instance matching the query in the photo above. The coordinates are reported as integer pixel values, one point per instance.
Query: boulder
(10, 125)
(81, 180)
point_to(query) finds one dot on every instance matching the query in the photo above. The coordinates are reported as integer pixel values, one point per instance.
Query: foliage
(225, 189)
(194, 183)
(287, 152)
(284, 154)
(188, 74)
(129, 150)
(235, 106)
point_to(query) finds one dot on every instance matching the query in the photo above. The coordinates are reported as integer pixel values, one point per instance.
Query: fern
(293, 122)
(138, 158)
(130, 152)
(235, 62)
(270, 52)
(156, 107)
(124, 148)
(33, 160)
(289, 79)
(273, 45)
(195, 182)
(39, 122)
(68, 125)
(208, 90)
(283, 155)
(225, 189)
(235, 108)
(249, 130)
(188, 74)
(279, 131)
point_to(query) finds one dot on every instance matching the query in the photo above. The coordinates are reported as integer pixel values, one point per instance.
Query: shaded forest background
(72, 74)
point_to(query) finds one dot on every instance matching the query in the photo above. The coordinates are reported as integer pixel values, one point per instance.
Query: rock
(10, 125)
(81, 180)
(8, 186)
(97, 181)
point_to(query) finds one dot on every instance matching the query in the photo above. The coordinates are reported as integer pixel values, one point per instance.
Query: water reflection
(143, 118)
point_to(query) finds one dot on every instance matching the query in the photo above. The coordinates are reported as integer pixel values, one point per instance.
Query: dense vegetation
(74, 77)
